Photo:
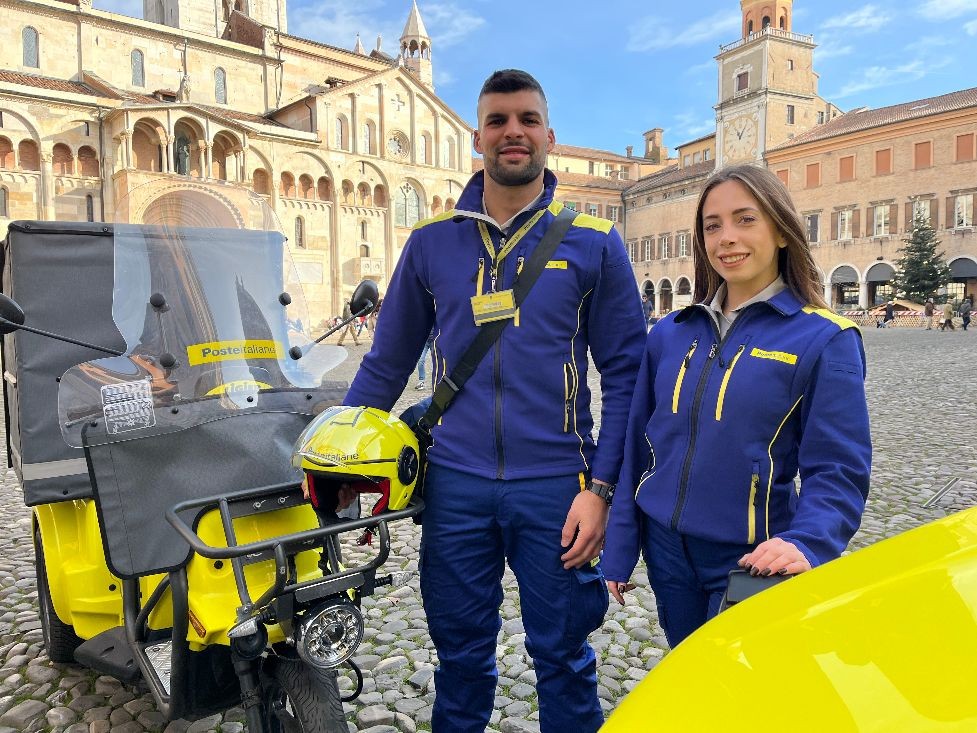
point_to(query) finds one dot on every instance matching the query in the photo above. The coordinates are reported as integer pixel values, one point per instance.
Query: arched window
(423, 154)
(299, 232)
(766, 21)
(342, 136)
(260, 181)
(89, 207)
(220, 85)
(324, 188)
(287, 185)
(363, 231)
(6, 154)
(138, 69)
(407, 206)
(363, 195)
(32, 51)
(379, 196)
(306, 187)
(3, 202)
(783, 22)
(749, 27)
(364, 250)
(63, 161)
(368, 144)
(30, 160)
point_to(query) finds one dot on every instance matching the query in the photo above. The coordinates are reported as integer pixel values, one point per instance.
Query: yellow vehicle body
(87, 596)
(884, 639)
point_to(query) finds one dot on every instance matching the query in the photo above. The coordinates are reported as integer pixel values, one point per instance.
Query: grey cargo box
(62, 275)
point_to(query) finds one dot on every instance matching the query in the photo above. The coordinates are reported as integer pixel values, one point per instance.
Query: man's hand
(583, 531)
(618, 590)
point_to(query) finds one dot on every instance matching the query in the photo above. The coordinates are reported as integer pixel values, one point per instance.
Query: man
(928, 310)
(890, 315)
(514, 473)
(350, 329)
(947, 316)
(647, 308)
(964, 310)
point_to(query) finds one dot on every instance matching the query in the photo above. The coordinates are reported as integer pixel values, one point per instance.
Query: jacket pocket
(677, 392)
(569, 396)
(650, 471)
(726, 377)
(751, 508)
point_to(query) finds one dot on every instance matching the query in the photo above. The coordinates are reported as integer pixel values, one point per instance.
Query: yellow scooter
(173, 542)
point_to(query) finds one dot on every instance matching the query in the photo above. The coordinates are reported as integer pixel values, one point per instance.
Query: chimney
(630, 151)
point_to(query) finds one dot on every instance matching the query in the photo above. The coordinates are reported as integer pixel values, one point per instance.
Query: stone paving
(922, 415)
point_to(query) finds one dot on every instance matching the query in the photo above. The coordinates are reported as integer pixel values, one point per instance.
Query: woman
(737, 394)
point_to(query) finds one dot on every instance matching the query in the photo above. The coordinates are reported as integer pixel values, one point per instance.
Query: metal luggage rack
(272, 498)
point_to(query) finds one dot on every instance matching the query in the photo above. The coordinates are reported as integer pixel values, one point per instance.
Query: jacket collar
(785, 303)
(469, 204)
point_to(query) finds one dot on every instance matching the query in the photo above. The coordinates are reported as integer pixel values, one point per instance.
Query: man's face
(513, 136)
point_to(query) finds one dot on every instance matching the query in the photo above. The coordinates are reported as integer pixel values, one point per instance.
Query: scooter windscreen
(214, 321)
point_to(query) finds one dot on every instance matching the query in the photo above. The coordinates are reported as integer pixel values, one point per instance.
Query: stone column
(168, 158)
(47, 185)
(354, 125)
(382, 126)
(827, 293)
(863, 295)
(125, 139)
(208, 163)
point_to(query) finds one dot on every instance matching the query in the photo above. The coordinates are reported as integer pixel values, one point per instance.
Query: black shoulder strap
(488, 334)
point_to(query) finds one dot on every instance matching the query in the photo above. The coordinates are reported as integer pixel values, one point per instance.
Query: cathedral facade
(858, 178)
(349, 148)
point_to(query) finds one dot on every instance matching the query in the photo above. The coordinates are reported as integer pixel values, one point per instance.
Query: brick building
(857, 177)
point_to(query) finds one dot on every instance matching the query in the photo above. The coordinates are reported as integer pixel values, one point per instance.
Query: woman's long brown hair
(794, 262)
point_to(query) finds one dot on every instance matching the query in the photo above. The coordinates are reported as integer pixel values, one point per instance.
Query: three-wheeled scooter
(173, 541)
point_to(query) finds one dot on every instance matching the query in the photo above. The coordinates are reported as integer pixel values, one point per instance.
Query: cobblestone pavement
(920, 403)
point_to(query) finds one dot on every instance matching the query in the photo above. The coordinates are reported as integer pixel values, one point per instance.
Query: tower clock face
(740, 138)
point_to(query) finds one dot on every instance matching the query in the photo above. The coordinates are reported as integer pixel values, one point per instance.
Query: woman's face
(741, 241)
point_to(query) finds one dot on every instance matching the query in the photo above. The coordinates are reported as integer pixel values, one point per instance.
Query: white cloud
(705, 66)
(875, 77)
(443, 78)
(832, 47)
(449, 24)
(868, 18)
(945, 9)
(651, 33)
(971, 28)
(337, 24)
(690, 125)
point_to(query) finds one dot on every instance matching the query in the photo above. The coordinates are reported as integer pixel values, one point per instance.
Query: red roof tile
(578, 152)
(572, 179)
(865, 119)
(672, 175)
(46, 82)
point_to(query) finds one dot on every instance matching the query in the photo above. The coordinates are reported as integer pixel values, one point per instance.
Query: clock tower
(767, 85)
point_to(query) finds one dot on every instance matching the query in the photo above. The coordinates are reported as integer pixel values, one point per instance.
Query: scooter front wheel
(300, 699)
(60, 639)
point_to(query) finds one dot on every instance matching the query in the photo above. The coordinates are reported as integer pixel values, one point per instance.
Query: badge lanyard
(505, 247)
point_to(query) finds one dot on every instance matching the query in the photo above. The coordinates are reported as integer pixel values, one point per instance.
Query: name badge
(493, 307)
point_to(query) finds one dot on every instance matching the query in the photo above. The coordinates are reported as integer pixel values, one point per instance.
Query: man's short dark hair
(507, 81)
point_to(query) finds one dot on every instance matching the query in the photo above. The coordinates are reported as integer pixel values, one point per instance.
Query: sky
(615, 69)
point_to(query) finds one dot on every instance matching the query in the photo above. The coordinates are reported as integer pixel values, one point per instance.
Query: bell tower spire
(760, 14)
(415, 48)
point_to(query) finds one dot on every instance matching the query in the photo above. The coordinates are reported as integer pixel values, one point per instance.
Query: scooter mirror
(12, 315)
(365, 298)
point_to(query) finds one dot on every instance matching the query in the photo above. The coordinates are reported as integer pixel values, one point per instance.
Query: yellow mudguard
(884, 639)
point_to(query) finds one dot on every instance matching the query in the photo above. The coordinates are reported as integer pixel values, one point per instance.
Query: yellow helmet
(367, 448)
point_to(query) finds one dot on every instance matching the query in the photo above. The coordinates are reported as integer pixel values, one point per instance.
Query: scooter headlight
(328, 636)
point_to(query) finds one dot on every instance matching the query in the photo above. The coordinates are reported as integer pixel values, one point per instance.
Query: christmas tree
(922, 270)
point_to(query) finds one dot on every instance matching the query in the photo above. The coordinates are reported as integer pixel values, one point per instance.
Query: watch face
(740, 138)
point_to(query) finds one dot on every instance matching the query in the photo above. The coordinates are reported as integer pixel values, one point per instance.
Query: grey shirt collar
(531, 205)
(724, 322)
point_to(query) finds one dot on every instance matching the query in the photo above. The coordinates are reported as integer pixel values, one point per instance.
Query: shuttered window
(965, 147)
(812, 175)
(883, 162)
(923, 155)
(846, 168)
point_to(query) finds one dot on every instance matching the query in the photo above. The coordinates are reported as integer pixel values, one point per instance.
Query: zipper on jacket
(683, 486)
(751, 516)
(681, 375)
(519, 263)
(567, 389)
(722, 387)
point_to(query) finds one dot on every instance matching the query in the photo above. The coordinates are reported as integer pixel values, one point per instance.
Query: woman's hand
(775, 556)
(619, 589)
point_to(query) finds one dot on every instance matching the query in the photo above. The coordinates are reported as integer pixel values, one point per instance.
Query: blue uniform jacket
(525, 412)
(719, 429)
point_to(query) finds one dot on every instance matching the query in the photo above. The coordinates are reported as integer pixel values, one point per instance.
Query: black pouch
(412, 417)
(742, 585)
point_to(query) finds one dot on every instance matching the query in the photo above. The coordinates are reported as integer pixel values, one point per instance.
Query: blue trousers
(688, 575)
(471, 527)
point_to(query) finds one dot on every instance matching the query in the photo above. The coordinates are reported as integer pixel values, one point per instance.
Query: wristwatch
(604, 491)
